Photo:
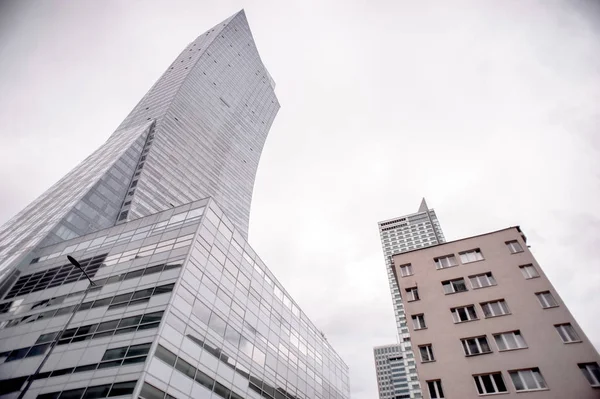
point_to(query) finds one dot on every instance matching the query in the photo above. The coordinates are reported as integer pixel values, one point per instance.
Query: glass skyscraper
(402, 234)
(180, 306)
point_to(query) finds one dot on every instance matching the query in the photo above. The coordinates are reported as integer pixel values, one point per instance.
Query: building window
(426, 353)
(452, 286)
(475, 346)
(546, 299)
(528, 380)
(490, 383)
(464, 313)
(495, 308)
(514, 247)
(406, 270)
(529, 271)
(419, 322)
(591, 371)
(567, 333)
(510, 340)
(445, 261)
(435, 389)
(412, 294)
(471, 256)
(482, 280)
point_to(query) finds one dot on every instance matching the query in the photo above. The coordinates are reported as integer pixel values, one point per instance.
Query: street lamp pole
(32, 377)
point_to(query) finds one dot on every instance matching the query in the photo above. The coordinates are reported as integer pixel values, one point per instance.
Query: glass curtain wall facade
(182, 307)
(197, 133)
(401, 234)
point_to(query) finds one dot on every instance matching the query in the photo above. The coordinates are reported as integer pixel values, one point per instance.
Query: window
(489, 383)
(546, 299)
(426, 353)
(495, 308)
(97, 391)
(482, 280)
(528, 380)
(452, 286)
(529, 271)
(591, 371)
(412, 294)
(419, 322)
(567, 333)
(445, 261)
(464, 313)
(435, 389)
(510, 340)
(514, 247)
(406, 270)
(475, 346)
(471, 256)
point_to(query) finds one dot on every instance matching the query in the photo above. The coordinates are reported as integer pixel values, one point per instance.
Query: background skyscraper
(181, 305)
(400, 234)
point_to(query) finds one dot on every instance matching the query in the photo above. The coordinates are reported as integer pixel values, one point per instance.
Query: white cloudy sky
(489, 109)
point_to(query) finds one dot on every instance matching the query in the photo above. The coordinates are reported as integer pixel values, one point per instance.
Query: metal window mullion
(494, 384)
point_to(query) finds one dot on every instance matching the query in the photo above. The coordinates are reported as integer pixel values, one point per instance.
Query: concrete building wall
(557, 361)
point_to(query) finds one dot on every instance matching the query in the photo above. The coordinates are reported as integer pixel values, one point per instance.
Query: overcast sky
(489, 109)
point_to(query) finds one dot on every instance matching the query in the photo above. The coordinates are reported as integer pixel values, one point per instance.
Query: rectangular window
(591, 371)
(475, 346)
(406, 270)
(489, 383)
(529, 271)
(412, 294)
(495, 308)
(514, 246)
(452, 286)
(567, 333)
(528, 380)
(510, 340)
(471, 256)
(435, 389)
(464, 313)
(419, 322)
(426, 353)
(546, 299)
(482, 280)
(445, 261)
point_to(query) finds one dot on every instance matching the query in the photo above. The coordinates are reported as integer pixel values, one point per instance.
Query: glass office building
(180, 305)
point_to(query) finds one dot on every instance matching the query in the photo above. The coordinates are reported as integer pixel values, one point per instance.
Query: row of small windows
(116, 357)
(113, 302)
(523, 380)
(96, 391)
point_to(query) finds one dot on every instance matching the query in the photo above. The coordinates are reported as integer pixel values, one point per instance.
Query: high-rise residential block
(390, 370)
(179, 304)
(485, 319)
(401, 234)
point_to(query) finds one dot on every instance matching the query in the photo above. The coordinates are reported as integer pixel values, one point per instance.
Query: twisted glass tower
(178, 304)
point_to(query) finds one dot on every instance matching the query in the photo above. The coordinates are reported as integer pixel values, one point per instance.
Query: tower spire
(423, 207)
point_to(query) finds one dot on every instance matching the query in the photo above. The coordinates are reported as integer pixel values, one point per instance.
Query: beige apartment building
(484, 319)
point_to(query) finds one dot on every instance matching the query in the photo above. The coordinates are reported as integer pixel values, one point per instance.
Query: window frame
(478, 377)
(408, 268)
(437, 388)
(489, 277)
(526, 274)
(589, 375)
(451, 283)
(451, 258)
(541, 297)
(412, 294)
(500, 303)
(470, 251)
(429, 350)
(467, 349)
(454, 312)
(539, 380)
(510, 245)
(415, 320)
(505, 342)
(563, 327)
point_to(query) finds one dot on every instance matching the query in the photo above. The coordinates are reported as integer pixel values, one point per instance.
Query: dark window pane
(38, 350)
(134, 274)
(118, 305)
(116, 353)
(126, 330)
(165, 355)
(130, 321)
(72, 394)
(122, 388)
(104, 334)
(51, 395)
(185, 368)
(106, 365)
(149, 392)
(69, 333)
(133, 360)
(148, 326)
(138, 301)
(153, 269)
(143, 293)
(46, 337)
(43, 375)
(66, 371)
(204, 379)
(487, 383)
(100, 391)
(138, 350)
(85, 306)
(151, 317)
(17, 354)
(122, 298)
(87, 367)
(221, 390)
(163, 289)
(101, 302)
(500, 382)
